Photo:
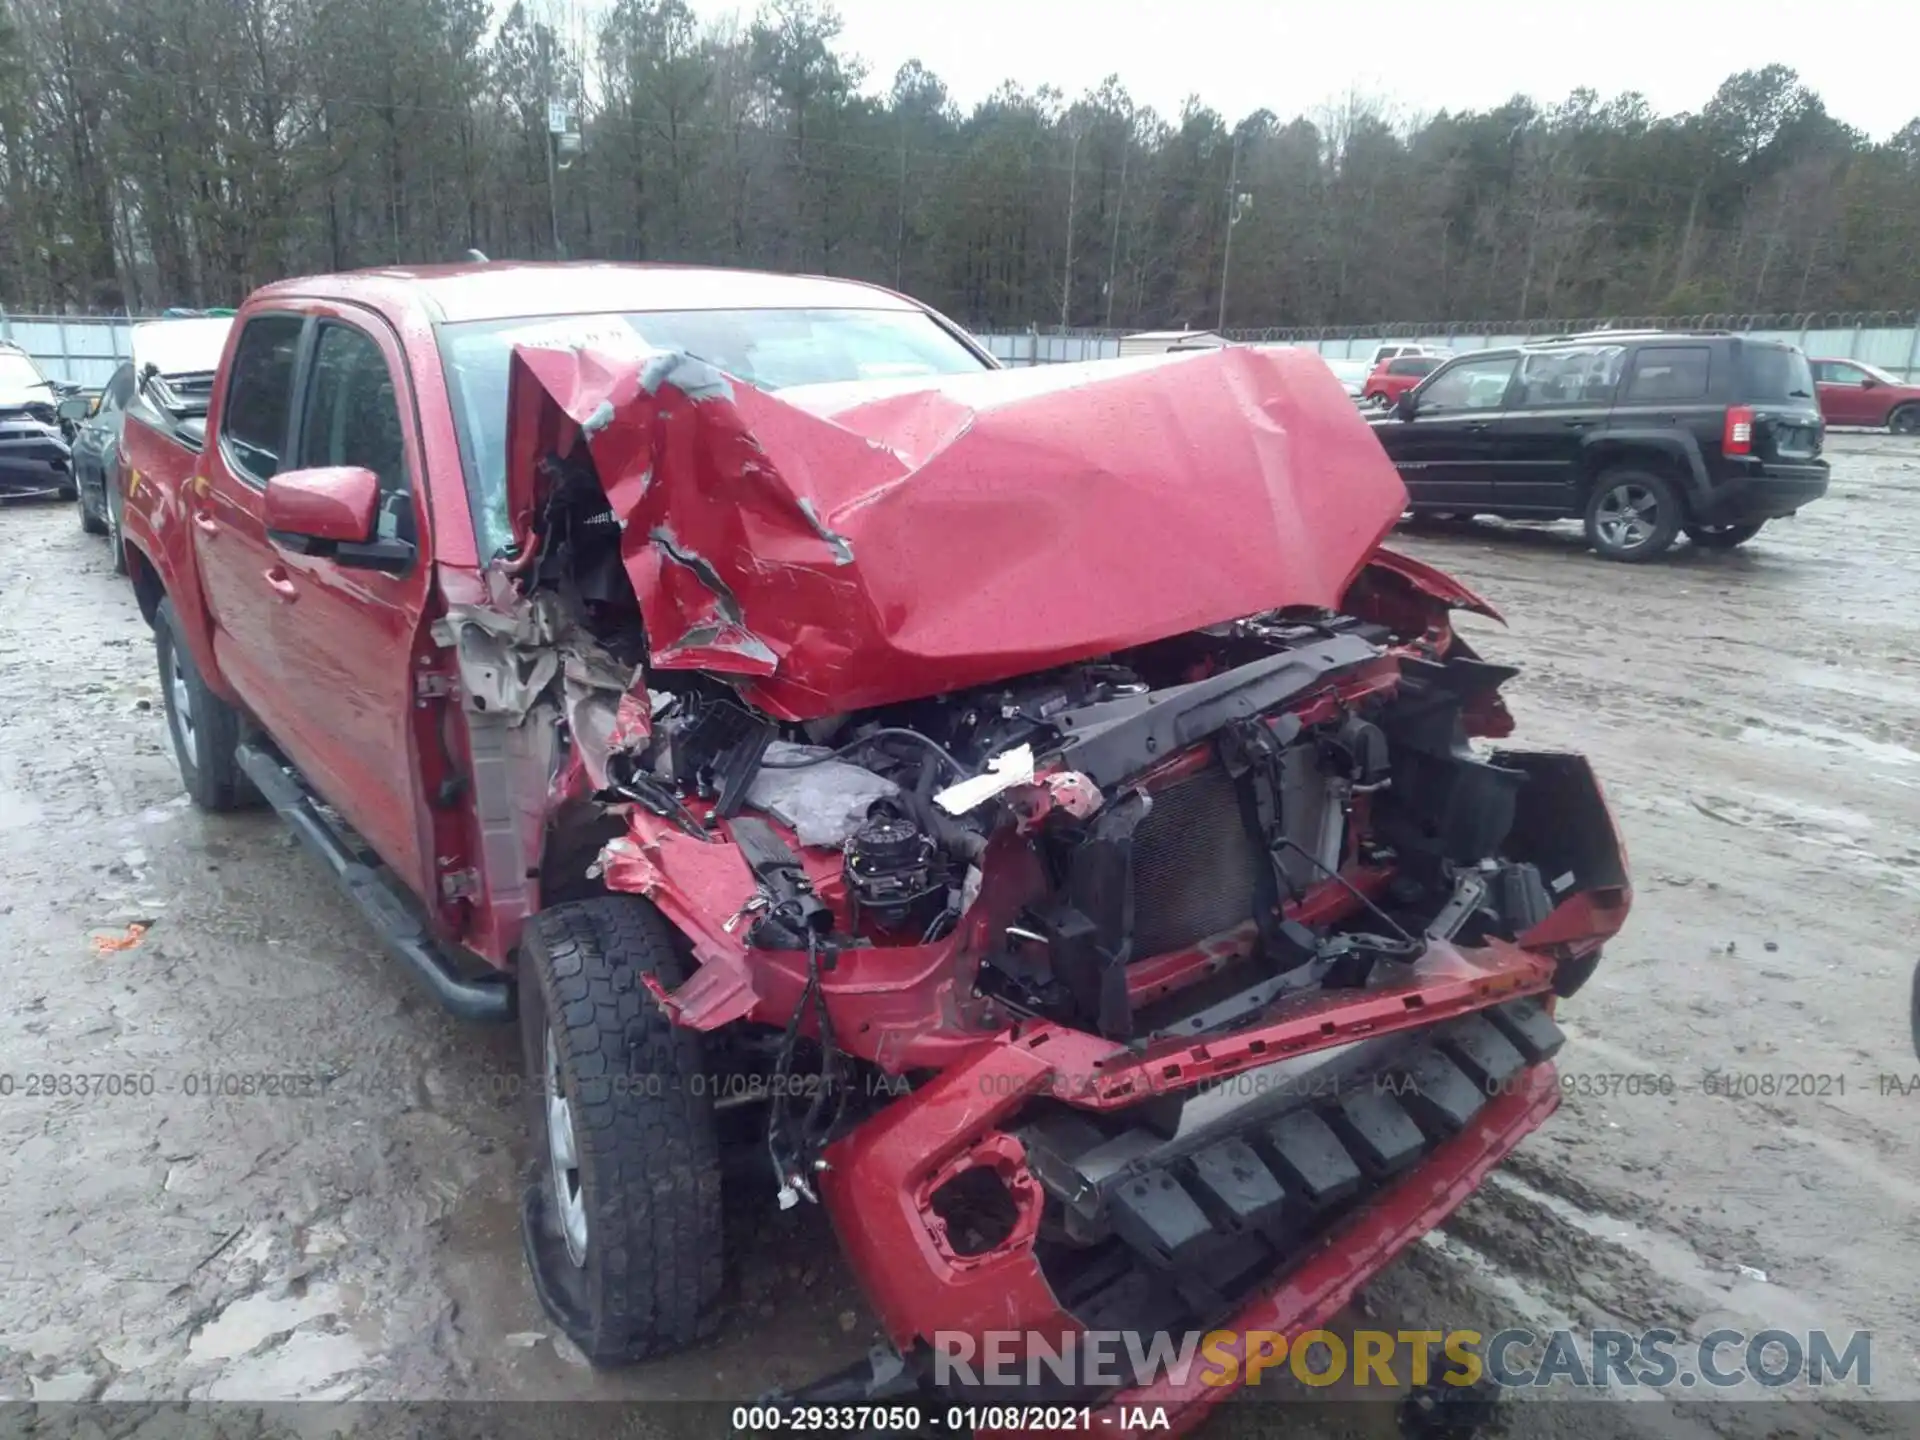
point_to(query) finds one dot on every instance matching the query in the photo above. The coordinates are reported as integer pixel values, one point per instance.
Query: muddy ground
(1752, 715)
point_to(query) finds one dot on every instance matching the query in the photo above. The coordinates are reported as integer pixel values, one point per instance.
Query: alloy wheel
(180, 691)
(563, 1154)
(1628, 516)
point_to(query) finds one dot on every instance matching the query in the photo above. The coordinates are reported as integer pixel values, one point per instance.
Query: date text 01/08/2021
(959, 1420)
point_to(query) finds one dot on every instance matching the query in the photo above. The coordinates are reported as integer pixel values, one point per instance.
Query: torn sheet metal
(512, 660)
(822, 803)
(506, 660)
(845, 546)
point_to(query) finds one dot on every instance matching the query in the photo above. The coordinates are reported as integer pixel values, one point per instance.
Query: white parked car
(1396, 349)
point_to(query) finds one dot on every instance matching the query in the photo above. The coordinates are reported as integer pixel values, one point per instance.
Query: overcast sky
(1294, 56)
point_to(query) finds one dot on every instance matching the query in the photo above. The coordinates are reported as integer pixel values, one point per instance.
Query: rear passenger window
(1582, 376)
(353, 418)
(1670, 372)
(260, 393)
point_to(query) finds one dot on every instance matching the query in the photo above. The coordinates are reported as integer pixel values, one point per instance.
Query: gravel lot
(1752, 715)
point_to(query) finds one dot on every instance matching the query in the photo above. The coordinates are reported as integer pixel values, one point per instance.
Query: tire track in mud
(1750, 716)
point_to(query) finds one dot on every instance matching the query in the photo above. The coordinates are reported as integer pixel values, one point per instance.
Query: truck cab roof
(507, 290)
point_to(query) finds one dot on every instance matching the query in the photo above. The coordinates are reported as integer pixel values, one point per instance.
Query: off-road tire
(90, 523)
(1667, 515)
(647, 1155)
(1723, 537)
(208, 769)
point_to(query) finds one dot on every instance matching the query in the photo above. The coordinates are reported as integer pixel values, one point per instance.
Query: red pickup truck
(1025, 807)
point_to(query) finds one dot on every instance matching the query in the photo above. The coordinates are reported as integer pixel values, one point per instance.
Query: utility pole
(1237, 203)
(900, 210)
(1119, 209)
(1073, 181)
(553, 199)
(556, 127)
(563, 141)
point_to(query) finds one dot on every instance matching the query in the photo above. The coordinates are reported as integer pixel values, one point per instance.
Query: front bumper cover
(881, 1183)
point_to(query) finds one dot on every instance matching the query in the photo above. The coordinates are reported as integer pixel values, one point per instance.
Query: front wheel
(1723, 537)
(1632, 515)
(621, 1216)
(1905, 420)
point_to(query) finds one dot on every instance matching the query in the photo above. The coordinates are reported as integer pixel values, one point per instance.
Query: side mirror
(330, 511)
(1405, 405)
(77, 407)
(1868, 383)
(310, 511)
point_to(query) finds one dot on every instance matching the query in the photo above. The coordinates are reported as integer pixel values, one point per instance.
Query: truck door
(348, 626)
(236, 564)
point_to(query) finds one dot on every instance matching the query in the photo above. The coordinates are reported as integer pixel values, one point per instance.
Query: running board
(398, 927)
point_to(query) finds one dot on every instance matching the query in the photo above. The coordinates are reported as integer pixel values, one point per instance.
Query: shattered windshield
(769, 349)
(21, 382)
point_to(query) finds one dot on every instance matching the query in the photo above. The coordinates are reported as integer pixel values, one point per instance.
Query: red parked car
(1393, 378)
(1024, 812)
(1854, 393)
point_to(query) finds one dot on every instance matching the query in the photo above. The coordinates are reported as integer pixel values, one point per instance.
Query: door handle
(282, 584)
(1478, 425)
(1577, 424)
(206, 522)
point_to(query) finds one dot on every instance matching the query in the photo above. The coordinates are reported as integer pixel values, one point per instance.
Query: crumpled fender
(846, 546)
(1429, 581)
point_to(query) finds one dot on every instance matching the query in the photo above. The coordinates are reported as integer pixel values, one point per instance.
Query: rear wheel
(205, 729)
(1905, 420)
(1632, 515)
(621, 1216)
(1723, 537)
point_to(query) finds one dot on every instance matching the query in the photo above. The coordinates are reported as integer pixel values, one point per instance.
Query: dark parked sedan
(33, 447)
(169, 379)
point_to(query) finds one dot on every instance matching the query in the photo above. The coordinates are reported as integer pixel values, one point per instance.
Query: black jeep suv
(1642, 435)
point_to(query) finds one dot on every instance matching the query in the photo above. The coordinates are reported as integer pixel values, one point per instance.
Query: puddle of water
(308, 1365)
(1824, 739)
(1763, 1302)
(18, 809)
(250, 1321)
(1855, 682)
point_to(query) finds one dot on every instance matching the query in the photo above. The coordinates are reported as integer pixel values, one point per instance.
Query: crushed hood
(840, 546)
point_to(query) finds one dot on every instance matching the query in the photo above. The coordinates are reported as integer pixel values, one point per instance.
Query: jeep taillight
(1738, 439)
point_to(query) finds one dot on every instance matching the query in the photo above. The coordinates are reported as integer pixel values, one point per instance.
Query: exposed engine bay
(1183, 835)
(995, 947)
